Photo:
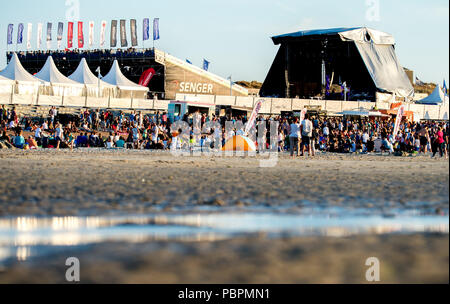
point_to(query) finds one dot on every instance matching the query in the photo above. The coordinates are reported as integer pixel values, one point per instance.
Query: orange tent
(239, 143)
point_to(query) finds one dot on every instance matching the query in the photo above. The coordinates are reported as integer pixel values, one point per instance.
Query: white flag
(39, 36)
(102, 34)
(29, 33)
(91, 33)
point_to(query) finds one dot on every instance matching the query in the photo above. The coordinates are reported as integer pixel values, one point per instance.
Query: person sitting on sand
(19, 141)
(32, 144)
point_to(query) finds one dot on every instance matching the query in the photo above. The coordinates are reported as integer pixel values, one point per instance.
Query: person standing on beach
(307, 133)
(294, 134)
(440, 144)
(59, 132)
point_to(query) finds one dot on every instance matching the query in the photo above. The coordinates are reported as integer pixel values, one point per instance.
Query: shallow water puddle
(25, 237)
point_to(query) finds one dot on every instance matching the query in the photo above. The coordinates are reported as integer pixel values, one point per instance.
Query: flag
(444, 87)
(29, 33)
(253, 116)
(20, 34)
(133, 31)
(91, 33)
(10, 33)
(70, 35)
(113, 33)
(80, 35)
(49, 35)
(146, 77)
(123, 33)
(156, 29)
(398, 120)
(206, 64)
(146, 29)
(39, 36)
(103, 34)
(60, 33)
(188, 61)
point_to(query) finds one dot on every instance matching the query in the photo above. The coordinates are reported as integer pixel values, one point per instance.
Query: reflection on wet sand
(19, 236)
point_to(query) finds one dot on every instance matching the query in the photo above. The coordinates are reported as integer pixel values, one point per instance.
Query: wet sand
(403, 259)
(98, 182)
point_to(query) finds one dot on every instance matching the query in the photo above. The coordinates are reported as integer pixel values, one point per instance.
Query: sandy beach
(102, 183)
(98, 182)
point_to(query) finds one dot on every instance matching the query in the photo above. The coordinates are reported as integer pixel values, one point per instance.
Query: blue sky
(235, 34)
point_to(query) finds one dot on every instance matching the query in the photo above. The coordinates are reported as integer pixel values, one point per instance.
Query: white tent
(60, 84)
(94, 86)
(127, 88)
(26, 83)
(6, 85)
(437, 97)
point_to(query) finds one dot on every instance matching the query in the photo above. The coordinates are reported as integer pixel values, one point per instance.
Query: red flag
(70, 36)
(146, 77)
(80, 35)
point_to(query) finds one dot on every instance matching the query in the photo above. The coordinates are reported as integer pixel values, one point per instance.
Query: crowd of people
(107, 129)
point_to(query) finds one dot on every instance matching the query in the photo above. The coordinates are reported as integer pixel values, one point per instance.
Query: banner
(123, 33)
(29, 33)
(398, 121)
(10, 33)
(156, 29)
(103, 34)
(113, 33)
(133, 31)
(70, 35)
(20, 34)
(146, 77)
(80, 35)
(39, 36)
(49, 35)
(206, 64)
(91, 34)
(303, 115)
(60, 33)
(146, 29)
(253, 117)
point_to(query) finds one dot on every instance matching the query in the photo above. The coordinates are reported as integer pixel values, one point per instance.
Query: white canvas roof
(84, 75)
(50, 73)
(437, 97)
(15, 71)
(4, 80)
(115, 77)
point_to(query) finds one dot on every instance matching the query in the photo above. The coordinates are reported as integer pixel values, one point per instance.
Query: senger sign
(196, 88)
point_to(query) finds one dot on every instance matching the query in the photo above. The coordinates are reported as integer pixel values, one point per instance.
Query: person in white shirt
(59, 133)
(307, 132)
(38, 135)
(294, 134)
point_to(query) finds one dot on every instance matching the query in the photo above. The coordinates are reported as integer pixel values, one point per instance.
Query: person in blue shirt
(19, 141)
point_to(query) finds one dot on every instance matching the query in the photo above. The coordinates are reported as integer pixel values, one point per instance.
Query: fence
(270, 106)
(277, 105)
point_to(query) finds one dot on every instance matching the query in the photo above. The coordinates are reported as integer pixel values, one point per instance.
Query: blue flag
(156, 29)
(188, 61)
(10, 33)
(20, 34)
(206, 64)
(146, 29)
(444, 88)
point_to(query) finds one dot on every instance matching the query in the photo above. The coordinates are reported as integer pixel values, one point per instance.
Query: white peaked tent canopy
(94, 86)
(126, 87)
(60, 84)
(437, 97)
(26, 83)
